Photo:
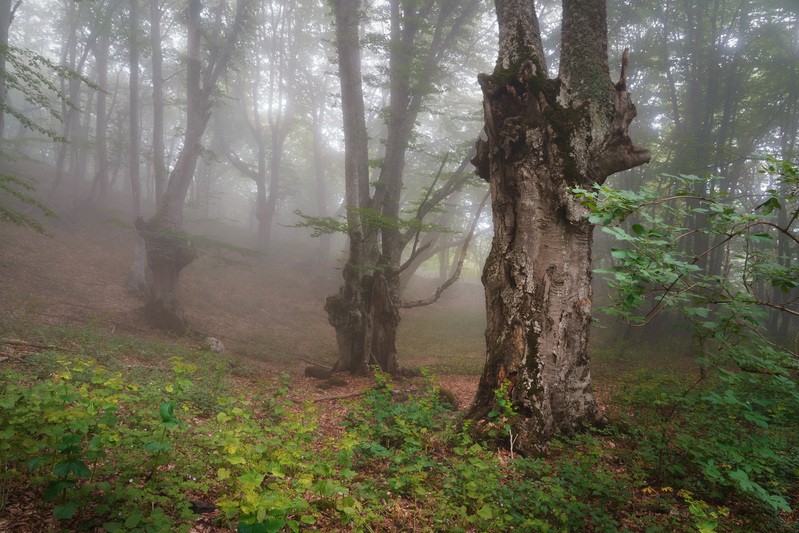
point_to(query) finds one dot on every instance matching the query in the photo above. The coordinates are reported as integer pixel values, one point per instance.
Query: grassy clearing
(448, 341)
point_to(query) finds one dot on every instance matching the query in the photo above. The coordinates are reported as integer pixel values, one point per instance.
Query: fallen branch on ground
(339, 397)
(17, 342)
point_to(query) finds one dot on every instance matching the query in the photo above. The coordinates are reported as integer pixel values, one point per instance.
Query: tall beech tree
(169, 251)
(365, 312)
(543, 137)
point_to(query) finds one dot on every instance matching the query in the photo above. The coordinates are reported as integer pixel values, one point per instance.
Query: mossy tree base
(168, 253)
(365, 318)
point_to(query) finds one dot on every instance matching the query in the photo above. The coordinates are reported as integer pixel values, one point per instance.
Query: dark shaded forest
(434, 265)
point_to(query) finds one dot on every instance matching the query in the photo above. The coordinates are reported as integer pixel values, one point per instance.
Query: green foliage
(732, 431)
(125, 448)
(500, 419)
(20, 191)
(32, 76)
(413, 449)
(370, 218)
(321, 225)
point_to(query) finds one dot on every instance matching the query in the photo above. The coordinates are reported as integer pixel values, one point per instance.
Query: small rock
(201, 507)
(215, 345)
(317, 372)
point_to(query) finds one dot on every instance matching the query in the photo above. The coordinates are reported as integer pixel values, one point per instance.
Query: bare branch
(405, 304)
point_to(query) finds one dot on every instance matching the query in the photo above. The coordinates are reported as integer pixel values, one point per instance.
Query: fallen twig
(314, 363)
(17, 342)
(339, 397)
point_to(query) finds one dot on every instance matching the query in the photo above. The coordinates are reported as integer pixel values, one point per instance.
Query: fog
(236, 119)
(434, 265)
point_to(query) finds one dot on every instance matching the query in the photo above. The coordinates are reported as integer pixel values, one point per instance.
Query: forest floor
(67, 290)
(267, 311)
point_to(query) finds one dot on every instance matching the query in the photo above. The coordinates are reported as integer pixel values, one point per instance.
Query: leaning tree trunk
(169, 250)
(544, 137)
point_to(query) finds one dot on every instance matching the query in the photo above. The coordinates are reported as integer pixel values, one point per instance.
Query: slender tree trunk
(544, 137)
(260, 195)
(140, 275)
(134, 145)
(80, 145)
(320, 185)
(159, 164)
(68, 55)
(100, 191)
(6, 18)
(348, 310)
(279, 132)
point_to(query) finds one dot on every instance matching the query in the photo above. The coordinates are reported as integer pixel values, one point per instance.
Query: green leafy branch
(21, 191)
(371, 218)
(747, 383)
(654, 263)
(32, 76)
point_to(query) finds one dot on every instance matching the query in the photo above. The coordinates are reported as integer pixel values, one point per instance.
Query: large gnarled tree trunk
(544, 137)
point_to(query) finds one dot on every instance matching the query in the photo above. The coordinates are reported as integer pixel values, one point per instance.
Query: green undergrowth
(729, 438)
(122, 434)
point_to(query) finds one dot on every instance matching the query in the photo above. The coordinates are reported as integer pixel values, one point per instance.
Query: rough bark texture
(543, 138)
(167, 255)
(384, 321)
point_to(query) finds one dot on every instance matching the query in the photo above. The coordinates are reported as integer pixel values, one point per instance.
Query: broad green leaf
(157, 446)
(133, 519)
(770, 205)
(761, 237)
(75, 467)
(257, 527)
(167, 412)
(485, 512)
(65, 510)
(251, 477)
(54, 488)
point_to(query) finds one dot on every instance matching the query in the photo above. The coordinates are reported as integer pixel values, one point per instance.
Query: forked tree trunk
(545, 137)
(365, 313)
(169, 250)
(366, 325)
